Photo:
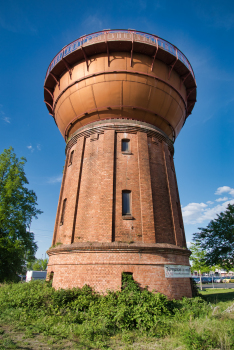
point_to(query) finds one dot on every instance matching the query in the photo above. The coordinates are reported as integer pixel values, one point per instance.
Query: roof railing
(119, 34)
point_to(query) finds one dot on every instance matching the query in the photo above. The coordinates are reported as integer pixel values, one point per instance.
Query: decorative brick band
(120, 126)
(119, 247)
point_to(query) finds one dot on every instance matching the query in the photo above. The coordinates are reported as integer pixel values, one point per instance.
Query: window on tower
(63, 211)
(126, 202)
(125, 147)
(71, 157)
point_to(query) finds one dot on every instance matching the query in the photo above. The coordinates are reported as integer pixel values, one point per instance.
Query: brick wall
(92, 189)
(101, 267)
(93, 186)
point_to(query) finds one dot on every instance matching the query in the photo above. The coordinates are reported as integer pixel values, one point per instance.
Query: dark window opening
(51, 276)
(125, 145)
(71, 157)
(63, 211)
(179, 215)
(172, 163)
(127, 280)
(126, 202)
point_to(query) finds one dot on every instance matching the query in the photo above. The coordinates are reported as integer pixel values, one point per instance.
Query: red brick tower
(120, 98)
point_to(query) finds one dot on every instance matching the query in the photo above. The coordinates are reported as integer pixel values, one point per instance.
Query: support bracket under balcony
(85, 57)
(189, 91)
(51, 94)
(132, 51)
(171, 66)
(56, 79)
(67, 65)
(156, 51)
(183, 78)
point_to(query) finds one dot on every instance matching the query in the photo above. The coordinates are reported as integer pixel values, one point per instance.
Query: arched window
(63, 211)
(126, 202)
(125, 147)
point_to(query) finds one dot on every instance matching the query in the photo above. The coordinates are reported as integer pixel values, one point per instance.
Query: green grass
(217, 295)
(35, 316)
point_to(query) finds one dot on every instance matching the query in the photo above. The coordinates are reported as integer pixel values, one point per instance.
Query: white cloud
(30, 147)
(195, 213)
(209, 202)
(3, 116)
(225, 189)
(6, 119)
(210, 213)
(222, 199)
(189, 244)
(55, 179)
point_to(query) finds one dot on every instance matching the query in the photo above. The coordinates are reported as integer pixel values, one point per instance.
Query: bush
(93, 317)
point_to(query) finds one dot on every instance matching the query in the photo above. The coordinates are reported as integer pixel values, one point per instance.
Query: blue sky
(32, 33)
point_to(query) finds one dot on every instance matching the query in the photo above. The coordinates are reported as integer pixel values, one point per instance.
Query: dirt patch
(13, 339)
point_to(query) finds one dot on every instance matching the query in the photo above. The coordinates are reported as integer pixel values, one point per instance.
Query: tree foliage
(217, 239)
(17, 209)
(198, 259)
(37, 264)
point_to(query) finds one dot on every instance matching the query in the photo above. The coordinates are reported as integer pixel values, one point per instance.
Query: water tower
(120, 99)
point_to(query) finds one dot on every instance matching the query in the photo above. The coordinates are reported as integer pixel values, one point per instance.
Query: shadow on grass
(217, 297)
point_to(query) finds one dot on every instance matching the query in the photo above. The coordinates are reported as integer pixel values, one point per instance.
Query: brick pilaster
(107, 187)
(147, 214)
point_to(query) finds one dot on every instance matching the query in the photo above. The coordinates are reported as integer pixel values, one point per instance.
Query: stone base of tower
(100, 265)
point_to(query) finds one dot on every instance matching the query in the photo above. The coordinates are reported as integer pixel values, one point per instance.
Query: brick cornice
(120, 126)
(119, 247)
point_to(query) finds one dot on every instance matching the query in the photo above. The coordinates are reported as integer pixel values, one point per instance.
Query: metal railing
(120, 34)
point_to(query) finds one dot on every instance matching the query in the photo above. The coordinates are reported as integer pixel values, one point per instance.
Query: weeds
(94, 321)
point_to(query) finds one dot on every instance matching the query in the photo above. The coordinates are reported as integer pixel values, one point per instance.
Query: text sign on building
(177, 271)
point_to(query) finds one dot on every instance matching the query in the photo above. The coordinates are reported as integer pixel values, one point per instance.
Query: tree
(37, 265)
(198, 259)
(217, 239)
(17, 209)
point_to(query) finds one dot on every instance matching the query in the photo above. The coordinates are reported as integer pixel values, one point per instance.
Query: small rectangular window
(71, 157)
(63, 211)
(172, 163)
(126, 202)
(179, 214)
(125, 145)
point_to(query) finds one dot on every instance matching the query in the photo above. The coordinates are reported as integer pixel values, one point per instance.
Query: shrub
(94, 317)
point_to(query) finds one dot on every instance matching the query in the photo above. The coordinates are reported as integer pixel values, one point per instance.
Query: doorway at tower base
(100, 265)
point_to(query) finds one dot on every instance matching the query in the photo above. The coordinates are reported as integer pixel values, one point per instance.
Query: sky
(33, 32)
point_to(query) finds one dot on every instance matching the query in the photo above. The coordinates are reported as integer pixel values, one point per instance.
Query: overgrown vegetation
(127, 319)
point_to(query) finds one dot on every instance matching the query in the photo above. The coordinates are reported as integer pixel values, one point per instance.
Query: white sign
(177, 271)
